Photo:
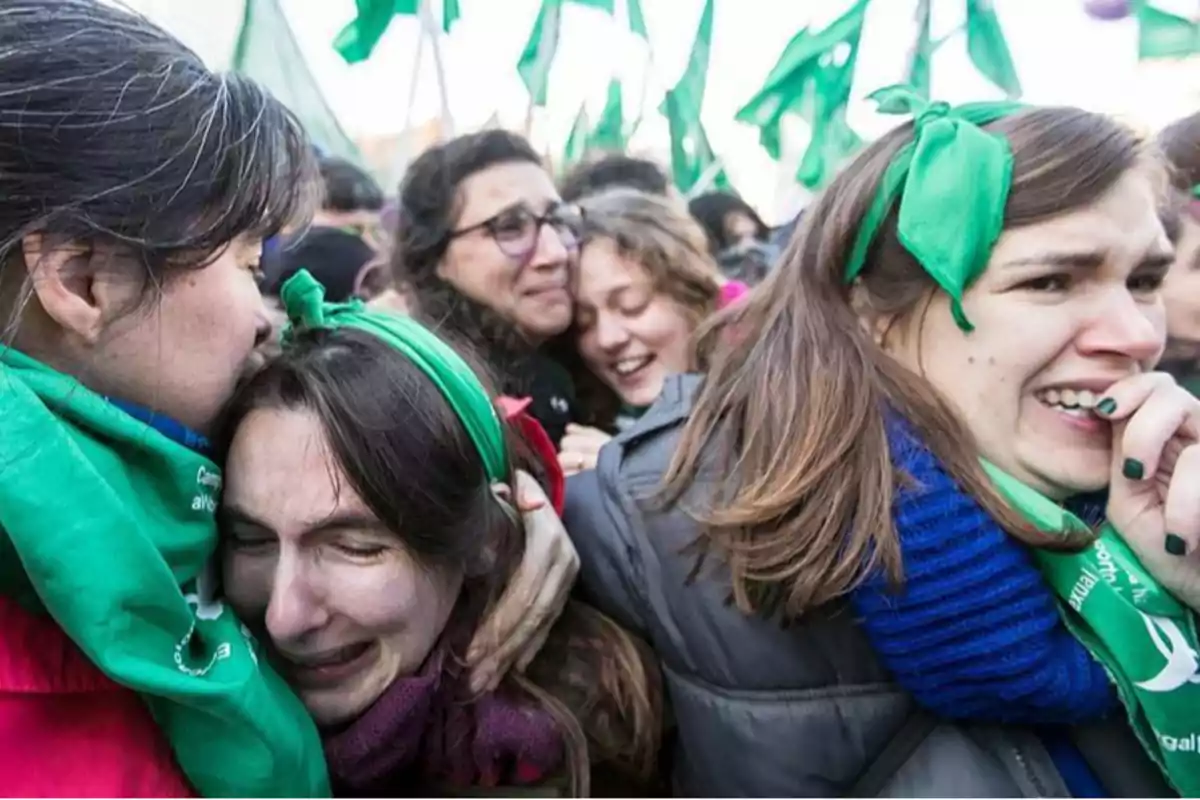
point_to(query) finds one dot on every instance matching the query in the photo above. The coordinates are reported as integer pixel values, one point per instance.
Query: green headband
(304, 300)
(952, 183)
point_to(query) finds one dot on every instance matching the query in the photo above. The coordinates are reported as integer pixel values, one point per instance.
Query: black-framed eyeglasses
(516, 229)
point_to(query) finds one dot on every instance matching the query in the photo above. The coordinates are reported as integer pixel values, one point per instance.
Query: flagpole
(415, 81)
(430, 29)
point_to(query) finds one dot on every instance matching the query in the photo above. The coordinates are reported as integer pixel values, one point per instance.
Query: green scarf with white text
(1144, 637)
(108, 526)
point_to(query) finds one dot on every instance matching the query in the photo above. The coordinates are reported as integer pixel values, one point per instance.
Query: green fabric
(1196, 191)
(108, 526)
(267, 51)
(810, 80)
(1162, 34)
(988, 48)
(304, 300)
(1143, 636)
(609, 133)
(450, 14)
(920, 61)
(358, 39)
(538, 55)
(637, 20)
(577, 140)
(692, 156)
(952, 184)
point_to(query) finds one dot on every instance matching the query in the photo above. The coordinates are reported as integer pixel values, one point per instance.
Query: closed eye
(365, 552)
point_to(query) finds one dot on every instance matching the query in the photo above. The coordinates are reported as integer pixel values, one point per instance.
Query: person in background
(615, 170)
(1180, 143)
(645, 282)
(376, 507)
(129, 259)
(337, 258)
(885, 543)
(485, 246)
(728, 221)
(351, 200)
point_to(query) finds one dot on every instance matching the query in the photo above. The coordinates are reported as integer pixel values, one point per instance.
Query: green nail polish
(1133, 469)
(1106, 406)
(1175, 545)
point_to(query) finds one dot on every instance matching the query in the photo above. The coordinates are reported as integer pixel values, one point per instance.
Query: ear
(63, 275)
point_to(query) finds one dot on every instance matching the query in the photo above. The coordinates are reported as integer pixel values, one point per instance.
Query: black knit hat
(334, 256)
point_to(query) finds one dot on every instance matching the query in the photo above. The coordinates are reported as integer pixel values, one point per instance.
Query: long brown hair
(659, 234)
(408, 456)
(794, 407)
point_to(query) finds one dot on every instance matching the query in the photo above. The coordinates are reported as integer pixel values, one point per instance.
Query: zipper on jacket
(1038, 786)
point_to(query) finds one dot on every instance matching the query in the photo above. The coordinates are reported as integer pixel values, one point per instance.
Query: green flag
(450, 14)
(356, 41)
(577, 140)
(791, 83)
(691, 153)
(538, 55)
(606, 6)
(609, 133)
(637, 20)
(267, 51)
(988, 48)
(1165, 35)
(919, 62)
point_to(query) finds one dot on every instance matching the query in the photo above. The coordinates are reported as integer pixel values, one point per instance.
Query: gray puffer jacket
(763, 710)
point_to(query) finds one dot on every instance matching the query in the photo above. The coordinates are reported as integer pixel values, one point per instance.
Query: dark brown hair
(408, 456)
(1180, 145)
(795, 406)
(658, 233)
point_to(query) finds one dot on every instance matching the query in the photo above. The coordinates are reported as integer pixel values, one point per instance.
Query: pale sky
(1061, 56)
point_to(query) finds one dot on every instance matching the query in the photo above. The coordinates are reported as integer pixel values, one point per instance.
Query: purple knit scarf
(421, 732)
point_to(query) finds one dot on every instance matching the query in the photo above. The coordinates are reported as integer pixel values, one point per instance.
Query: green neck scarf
(952, 184)
(1144, 637)
(108, 526)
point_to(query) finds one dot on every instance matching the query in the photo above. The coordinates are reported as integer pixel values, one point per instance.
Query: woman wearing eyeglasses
(486, 243)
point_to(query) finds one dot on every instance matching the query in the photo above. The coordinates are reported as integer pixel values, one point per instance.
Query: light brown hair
(795, 407)
(659, 234)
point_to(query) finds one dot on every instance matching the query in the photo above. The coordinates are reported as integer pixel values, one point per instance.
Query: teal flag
(450, 14)
(921, 59)
(637, 20)
(989, 49)
(357, 40)
(609, 133)
(577, 140)
(1165, 35)
(691, 154)
(267, 51)
(812, 82)
(538, 55)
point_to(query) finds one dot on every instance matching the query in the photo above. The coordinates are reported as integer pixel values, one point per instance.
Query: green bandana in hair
(952, 183)
(108, 526)
(304, 300)
(1143, 636)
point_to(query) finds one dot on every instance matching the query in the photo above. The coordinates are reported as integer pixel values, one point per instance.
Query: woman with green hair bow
(131, 232)
(941, 410)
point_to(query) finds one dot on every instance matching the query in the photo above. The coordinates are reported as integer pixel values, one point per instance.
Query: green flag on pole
(1162, 34)
(691, 154)
(988, 48)
(450, 14)
(267, 51)
(609, 133)
(637, 20)
(921, 59)
(577, 140)
(812, 79)
(357, 40)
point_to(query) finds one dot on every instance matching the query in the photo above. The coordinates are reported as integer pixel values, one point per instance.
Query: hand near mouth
(1154, 493)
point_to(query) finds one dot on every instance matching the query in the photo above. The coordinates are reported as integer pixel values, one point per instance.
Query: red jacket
(68, 731)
